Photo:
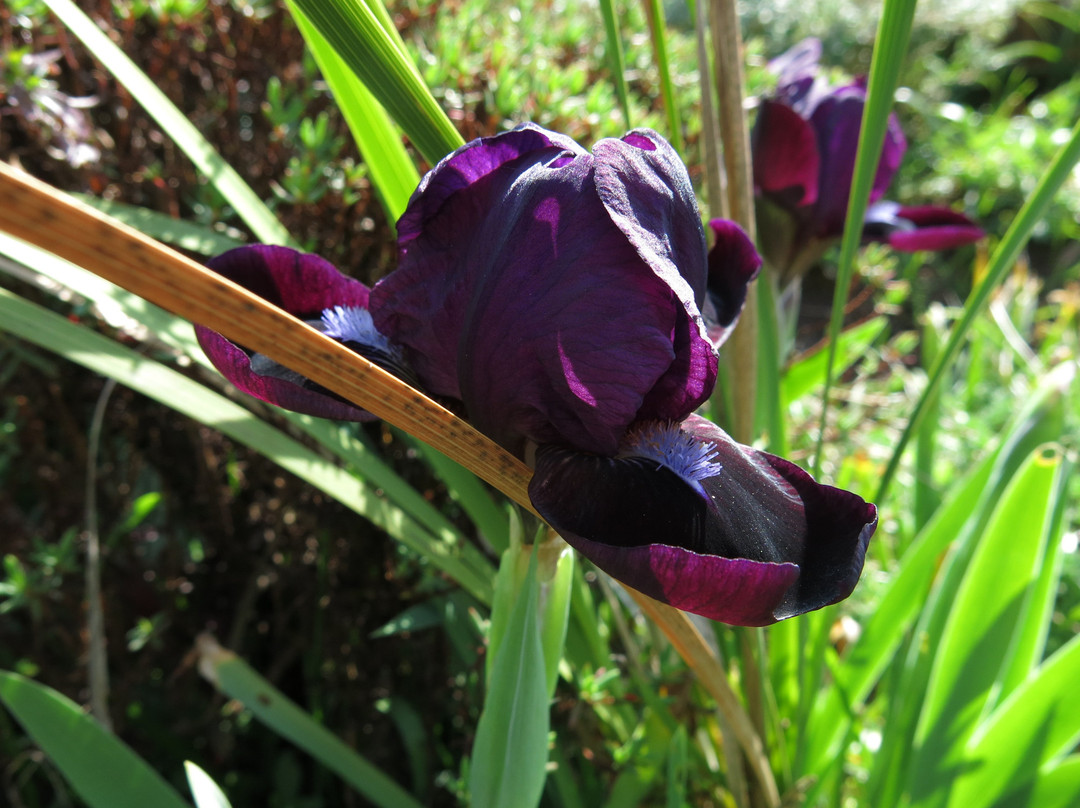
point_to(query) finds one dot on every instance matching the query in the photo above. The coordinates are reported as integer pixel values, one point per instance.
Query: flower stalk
(742, 351)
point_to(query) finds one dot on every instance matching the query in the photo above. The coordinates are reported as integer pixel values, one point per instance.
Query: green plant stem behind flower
(890, 48)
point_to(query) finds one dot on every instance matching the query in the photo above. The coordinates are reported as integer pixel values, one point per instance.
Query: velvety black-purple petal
(552, 291)
(303, 285)
(757, 542)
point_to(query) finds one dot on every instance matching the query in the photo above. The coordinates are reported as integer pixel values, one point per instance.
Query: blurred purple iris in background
(804, 144)
(567, 304)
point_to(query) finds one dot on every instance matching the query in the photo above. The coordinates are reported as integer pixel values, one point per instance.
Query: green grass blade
(658, 33)
(1041, 421)
(238, 680)
(555, 616)
(1039, 723)
(1056, 787)
(247, 205)
(186, 235)
(204, 790)
(1000, 262)
(616, 61)
(117, 303)
(809, 372)
(983, 623)
(678, 769)
(392, 171)
(101, 769)
(114, 304)
(55, 333)
(891, 44)
(509, 758)
(892, 617)
(1030, 642)
(356, 32)
(490, 516)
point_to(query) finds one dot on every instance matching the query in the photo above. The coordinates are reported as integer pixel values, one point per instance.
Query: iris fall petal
(756, 542)
(303, 285)
(922, 227)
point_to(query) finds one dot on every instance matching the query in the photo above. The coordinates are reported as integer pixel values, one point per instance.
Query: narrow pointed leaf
(1057, 787)
(204, 790)
(111, 775)
(1037, 724)
(890, 47)
(962, 515)
(658, 34)
(240, 681)
(616, 62)
(392, 171)
(509, 757)
(555, 617)
(177, 333)
(983, 622)
(1001, 261)
(174, 123)
(51, 331)
(356, 32)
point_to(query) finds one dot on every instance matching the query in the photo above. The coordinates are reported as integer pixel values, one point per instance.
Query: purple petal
(733, 263)
(300, 283)
(798, 63)
(647, 192)
(786, 160)
(471, 163)
(421, 305)
(303, 285)
(925, 227)
(519, 296)
(758, 542)
(837, 121)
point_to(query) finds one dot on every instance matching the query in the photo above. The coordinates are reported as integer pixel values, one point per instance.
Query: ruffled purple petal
(647, 192)
(786, 159)
(471, 163)
(757, 542)
(303, 285)
(924, 227)
(837, 121)
(519, 295)
(447, 243)
(733, 263)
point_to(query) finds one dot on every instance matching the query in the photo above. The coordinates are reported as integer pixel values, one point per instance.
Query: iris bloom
(804, 145)
(567, 305)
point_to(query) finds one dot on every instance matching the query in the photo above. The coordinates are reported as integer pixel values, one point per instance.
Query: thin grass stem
(894, 31)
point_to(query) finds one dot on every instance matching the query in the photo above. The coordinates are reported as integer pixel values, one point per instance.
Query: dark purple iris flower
(566, 304)
(804, 144)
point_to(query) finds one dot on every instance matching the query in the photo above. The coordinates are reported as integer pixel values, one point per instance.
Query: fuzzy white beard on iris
(670, 447)
(354, 324)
